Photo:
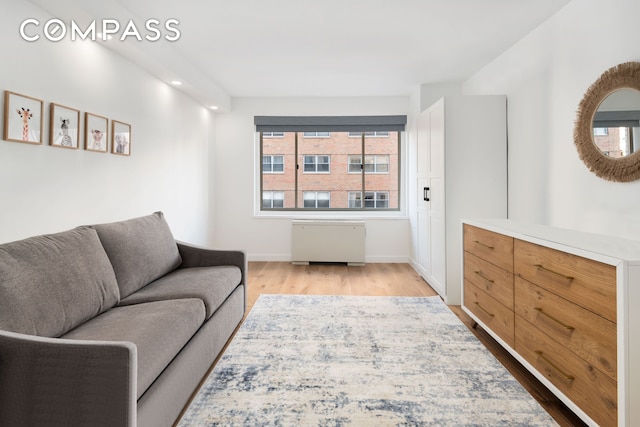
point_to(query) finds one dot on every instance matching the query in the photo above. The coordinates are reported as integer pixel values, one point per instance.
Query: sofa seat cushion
(210, 284)
(158, 329)
(50, 284)
(140, 249)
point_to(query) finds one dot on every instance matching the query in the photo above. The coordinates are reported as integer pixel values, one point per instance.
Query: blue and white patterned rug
(359, 361)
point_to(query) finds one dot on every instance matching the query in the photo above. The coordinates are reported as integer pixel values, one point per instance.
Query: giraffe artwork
(26, 114)
(22, 118)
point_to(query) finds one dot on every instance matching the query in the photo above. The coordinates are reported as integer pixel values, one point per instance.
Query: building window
(273, 164)
(372, 200)
(317, 134)
(272, 199)
(380, 134)
(372, 163)
(600, 131)
(317, 199)
(328, 163)
(273, 134)
(317, 164)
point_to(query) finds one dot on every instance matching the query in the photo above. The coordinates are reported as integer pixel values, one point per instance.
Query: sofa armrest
(62, 382)
(198, 256)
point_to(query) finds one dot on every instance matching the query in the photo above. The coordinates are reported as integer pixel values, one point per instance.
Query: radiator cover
(328, 241)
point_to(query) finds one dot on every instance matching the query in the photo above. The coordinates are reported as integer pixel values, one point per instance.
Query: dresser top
(607, 249)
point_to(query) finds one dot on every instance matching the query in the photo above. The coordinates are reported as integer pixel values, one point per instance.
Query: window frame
(316, 163)
(363, 165)
(304, 134)
(273, 134)
(298, 206)
(371, 134)
(273, 192)
(367, 193)
(273, 163)
(316, 199)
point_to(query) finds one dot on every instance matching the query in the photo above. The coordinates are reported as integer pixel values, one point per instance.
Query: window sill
(324, 215)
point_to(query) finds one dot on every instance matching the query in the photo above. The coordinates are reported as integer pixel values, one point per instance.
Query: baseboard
(268, 257)
(287, 258)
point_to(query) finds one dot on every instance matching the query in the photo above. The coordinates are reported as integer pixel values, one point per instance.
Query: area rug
(359, 361)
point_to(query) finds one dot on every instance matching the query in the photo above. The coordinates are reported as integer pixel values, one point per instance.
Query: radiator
(328, 241)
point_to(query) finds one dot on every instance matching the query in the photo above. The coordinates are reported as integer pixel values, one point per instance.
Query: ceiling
(239, 48)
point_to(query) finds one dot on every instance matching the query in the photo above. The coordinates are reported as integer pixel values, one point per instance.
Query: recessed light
(213, 107)
(176, 82)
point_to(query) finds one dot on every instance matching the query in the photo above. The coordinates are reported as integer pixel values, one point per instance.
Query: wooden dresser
(566, 304)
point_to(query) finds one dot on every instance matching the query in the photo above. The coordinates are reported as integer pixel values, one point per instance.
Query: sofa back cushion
(50, 284)
(140, 249)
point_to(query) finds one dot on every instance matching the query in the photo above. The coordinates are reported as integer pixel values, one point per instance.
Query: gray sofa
(112, 324)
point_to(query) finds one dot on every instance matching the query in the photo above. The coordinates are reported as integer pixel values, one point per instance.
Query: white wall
(544, 77)
(236, 222)
(46, 189)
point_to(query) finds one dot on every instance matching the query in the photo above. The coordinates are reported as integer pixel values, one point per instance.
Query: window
(318, 164)
(316, 199)
(272, 199)
(273, 134)
(600, 131)
(317, 134)
(272, 164)
(372, 164)
(330, 163)
(372, 199)
(376, 200)
(382, 134)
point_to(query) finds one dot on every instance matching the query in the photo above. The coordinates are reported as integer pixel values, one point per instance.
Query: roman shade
(330, 123)
(614, 119)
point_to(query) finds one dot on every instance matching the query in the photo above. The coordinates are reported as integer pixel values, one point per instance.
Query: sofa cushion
(140, 249)
(50, 284)
(158, 329)
(210, 284)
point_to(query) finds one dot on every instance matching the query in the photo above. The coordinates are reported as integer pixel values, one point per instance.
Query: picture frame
(64, 127)
(96, 133)
(120, 138)
(23, 119)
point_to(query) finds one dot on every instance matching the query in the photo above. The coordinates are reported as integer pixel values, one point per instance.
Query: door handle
(425, 194)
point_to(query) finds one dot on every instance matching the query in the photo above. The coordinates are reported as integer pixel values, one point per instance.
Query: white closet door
(437, 246)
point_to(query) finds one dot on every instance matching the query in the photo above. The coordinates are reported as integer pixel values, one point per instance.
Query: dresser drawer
(588, 283)
(493, 247)
(588, 335)
(490, 278)
(494, 315)
(594, 392)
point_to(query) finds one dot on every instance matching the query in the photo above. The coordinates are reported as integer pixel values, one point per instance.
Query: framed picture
(64, 127)
(96, 133)
(22, 118)
(120, 138)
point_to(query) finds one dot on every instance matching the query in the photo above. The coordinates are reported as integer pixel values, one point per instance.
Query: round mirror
(616, 124)
(607, 129)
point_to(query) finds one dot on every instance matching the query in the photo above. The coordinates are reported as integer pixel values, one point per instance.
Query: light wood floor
(386, 280)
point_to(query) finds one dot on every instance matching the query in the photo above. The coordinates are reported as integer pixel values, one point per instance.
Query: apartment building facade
(325, 170)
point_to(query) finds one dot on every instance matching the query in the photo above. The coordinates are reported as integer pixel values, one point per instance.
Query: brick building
(330, 173)
(614, 141)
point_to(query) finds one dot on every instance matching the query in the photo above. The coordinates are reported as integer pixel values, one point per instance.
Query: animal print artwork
(121, 140)
(26, 115)
(64, 137)
(97, 136)
(121, 143)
